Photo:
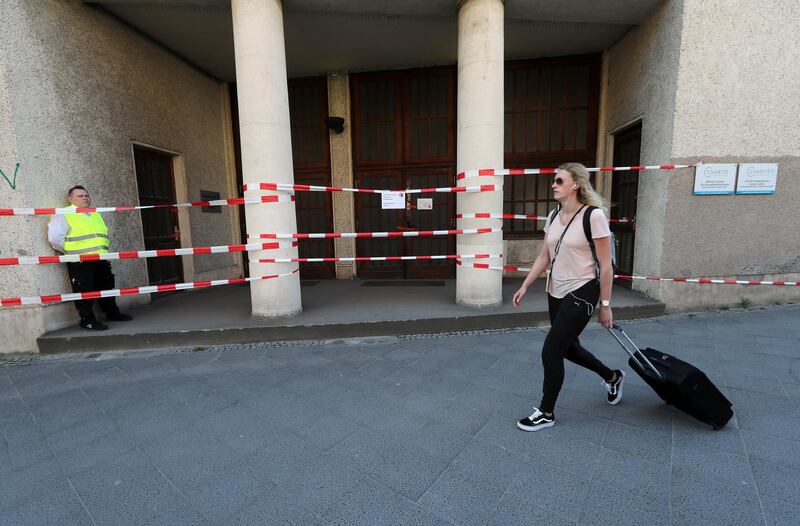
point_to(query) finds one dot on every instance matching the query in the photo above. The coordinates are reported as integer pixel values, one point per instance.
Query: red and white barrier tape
(345, 235)
(487, 215)
(491, 267)
(715, 281)
(535, 171)
(151, 289)
(377, 258)
(139, 254)
(708, 281)
(103, 209)
(287, 187)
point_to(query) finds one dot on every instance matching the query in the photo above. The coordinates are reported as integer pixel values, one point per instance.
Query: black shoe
(615, 388)
(93, 325)
(536, 421)
(119, 317)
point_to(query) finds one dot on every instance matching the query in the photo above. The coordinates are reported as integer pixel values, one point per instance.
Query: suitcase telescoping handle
(635, 350)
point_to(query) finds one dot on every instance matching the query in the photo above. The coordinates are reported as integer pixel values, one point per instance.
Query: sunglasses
(559, 181)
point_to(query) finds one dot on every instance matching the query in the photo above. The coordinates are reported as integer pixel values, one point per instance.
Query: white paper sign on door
(714, 179)
(757, 178)
(425, 203)
(393, 200)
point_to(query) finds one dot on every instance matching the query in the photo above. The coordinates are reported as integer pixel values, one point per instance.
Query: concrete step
(75, 341)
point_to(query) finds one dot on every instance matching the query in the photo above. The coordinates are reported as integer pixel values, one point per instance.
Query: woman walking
(580, 275)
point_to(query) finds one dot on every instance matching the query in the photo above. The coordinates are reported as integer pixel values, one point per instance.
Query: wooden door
(440, 217)
(404, 137)
(624, 193)
(308, 107)
(156, 183)
(371, 218)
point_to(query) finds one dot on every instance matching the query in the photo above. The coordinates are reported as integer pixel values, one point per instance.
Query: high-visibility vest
(88, 234)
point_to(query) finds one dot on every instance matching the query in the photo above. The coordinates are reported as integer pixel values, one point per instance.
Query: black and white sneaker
(536, 421)
(93, 325)
(615, 388)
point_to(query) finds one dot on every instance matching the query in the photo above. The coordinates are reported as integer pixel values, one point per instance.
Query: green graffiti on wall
(11, 183)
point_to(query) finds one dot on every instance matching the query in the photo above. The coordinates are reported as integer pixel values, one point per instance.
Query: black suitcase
(678, 383)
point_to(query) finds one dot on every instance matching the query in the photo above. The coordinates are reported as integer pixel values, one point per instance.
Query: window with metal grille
(308, 107)
(551, 110)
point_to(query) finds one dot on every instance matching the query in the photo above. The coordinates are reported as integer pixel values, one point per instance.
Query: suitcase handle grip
(635, 352)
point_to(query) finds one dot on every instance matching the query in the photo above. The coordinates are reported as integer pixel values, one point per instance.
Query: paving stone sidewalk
(410, 430)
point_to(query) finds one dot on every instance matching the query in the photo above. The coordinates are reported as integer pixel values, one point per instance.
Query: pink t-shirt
(574, 266)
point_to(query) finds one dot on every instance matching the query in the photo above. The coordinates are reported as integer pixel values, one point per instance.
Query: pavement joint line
(752, 474)
(25, 359)
(80, 500)
(672, 466)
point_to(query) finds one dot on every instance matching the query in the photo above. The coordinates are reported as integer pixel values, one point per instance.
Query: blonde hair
(586, 193)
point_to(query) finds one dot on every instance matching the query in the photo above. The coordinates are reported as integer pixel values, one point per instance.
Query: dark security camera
(335, 123)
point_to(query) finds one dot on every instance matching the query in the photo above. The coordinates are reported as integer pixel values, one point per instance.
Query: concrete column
(344, 214)
(480, 142)
(266, 144)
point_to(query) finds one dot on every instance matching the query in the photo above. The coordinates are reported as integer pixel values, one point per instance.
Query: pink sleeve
(599, 224)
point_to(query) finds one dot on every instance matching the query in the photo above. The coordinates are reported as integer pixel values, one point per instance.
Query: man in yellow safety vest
(85, 233)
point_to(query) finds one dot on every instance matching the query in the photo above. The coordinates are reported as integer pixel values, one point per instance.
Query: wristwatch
(605, 303)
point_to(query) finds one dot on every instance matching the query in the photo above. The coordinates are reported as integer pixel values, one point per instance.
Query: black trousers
(88, 276)
(568, 317)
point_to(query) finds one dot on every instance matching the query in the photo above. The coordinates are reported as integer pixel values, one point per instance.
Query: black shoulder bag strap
(587, 229)
(553, 214)
(558, 245)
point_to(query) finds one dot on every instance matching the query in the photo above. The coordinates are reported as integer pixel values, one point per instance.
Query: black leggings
(568, 317)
